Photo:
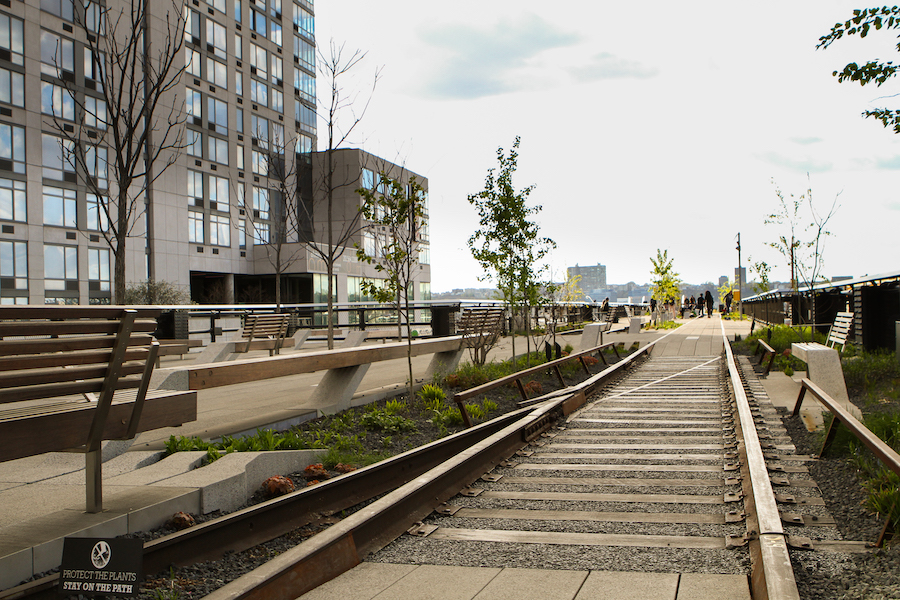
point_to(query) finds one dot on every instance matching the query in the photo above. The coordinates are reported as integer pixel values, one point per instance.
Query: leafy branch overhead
(873, 71)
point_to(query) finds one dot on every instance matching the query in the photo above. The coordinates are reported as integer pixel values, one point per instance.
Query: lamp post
(740, 283)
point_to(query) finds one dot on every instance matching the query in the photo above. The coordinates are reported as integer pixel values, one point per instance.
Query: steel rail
(244, 529)
(772, 576)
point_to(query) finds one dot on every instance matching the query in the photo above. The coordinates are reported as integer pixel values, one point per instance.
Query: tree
(400, 212)
(762, 270)
(508, 245)
(155, 292)
(277, 218)
(330, 244)
(128, 133)
(861, 23)
(805, 258)
(664, 280)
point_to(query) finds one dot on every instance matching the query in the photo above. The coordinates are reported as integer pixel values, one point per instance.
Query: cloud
(806, 141)
(609, 66)
(807, 165)
(891, 164)
(895, 205)
(478, 62)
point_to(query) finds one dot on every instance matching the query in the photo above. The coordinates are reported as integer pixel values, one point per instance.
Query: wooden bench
(71, 377)
(263, 331)
(840, 329)
(480, 329)
(176, 348)
(764, 350)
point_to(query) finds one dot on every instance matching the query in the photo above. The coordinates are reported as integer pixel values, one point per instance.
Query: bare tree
(330, 244)
(282, 225)
(130, 130)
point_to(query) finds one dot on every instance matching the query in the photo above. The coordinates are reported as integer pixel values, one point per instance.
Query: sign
(92, 566)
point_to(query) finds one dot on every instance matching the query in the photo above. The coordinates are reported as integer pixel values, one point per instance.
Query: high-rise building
(592, 278)
(248, 89)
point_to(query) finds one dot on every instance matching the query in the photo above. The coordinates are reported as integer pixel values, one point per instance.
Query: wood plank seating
(176, 348)
(72, 377)
(840, 329)
(480, 329)
(263, 331)
(345, 369)
(764, 350)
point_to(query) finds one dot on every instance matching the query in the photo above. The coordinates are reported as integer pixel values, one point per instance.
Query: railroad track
(662, 470)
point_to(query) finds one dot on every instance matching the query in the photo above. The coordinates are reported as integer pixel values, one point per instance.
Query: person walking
(709, 305)
(700, 304)
(729, 298)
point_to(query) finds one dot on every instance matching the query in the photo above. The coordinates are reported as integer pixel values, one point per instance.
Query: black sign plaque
(94, 566)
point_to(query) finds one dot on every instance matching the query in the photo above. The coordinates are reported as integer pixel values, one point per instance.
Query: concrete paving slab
(438, 582)
(702, 586)
(363, 582)
(533, 584)
(124, 463)
(618, 585)
(170, 466)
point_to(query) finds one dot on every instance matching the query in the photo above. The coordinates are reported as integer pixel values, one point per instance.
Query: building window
(277, 101)
(275, 34)
(367, 180)
(239, 120)
(193, 105)
(93, 18)
(58, 158)
(60, 207)
(215, 39)
(219, 230)
(259, 130)
(217, 73)
(12, 148)
(195, 188)
(275, 9)
(218, 115)
(195, 227)
(424, 254)
(259, 92)
(242, 233)
(278, 139)
(218, 193)
(98, 269)
(193, 141)
(57, 56)
(305, 53)
(219, 5)
(218, 149)
(259, 163)
(57, 101)
(259, 61)
(260, 203)
(95, 159)
(13, 273)
(369, 243)
(97, 218)
(320, 287)
(307, 118)
(238, 83)
(192, 62)
(12, 38)
(60, 267)
(12, 200)
(258, 22)
(237, 11)
(61, 8)
(95, 112)
(191, 26)
(238, 47)
(305, 85)
(93, 69)
(240, 156)
(12, 87)
(304, 21)
(277, 70)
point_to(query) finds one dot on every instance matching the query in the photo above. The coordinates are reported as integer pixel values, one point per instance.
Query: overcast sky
(643, 126)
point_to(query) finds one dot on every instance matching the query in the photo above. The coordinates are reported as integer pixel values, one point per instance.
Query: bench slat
(31, 377)
(65, 359)
(52, 390)
(40, 311)
(65, 344)
(79, 327)
(58, 431)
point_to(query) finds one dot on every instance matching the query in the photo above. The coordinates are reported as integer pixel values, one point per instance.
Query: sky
(659, 125)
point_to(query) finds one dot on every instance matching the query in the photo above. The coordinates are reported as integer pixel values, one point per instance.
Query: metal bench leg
(93, 479)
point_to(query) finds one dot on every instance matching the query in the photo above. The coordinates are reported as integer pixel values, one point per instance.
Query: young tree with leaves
(508, 246)
(805, 258)
(400, 212)
(663, 278)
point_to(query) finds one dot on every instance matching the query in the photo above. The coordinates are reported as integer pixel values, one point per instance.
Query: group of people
(701, 302)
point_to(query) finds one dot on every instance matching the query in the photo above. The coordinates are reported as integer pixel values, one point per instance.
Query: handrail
(518, 375)
(767, 349)
(887, 455)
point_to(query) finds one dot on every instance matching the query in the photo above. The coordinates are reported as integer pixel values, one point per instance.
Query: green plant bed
(367, 434)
